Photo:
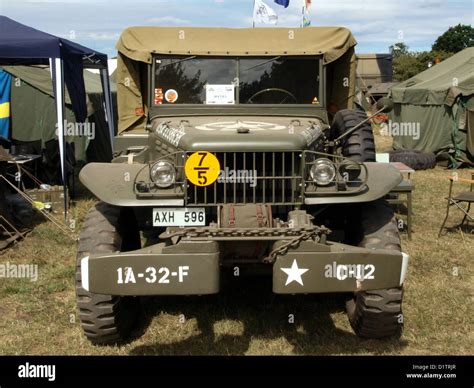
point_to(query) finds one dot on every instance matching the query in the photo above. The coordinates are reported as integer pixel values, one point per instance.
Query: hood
(237, 133)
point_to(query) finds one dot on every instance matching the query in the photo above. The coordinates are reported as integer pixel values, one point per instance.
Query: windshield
(230, 81)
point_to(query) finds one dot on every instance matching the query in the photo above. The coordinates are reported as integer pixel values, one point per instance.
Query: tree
(399, 49)
(455, 39)
(405, 66)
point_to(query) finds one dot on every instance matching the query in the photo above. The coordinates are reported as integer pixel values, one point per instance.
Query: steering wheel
(269, 90)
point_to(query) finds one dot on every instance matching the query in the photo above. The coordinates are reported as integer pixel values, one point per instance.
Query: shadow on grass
(265, 317)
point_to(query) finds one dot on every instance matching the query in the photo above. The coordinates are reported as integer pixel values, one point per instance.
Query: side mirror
(385, 104)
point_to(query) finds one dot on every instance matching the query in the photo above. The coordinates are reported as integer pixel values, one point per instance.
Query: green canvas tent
(32, 93)
(438, 102)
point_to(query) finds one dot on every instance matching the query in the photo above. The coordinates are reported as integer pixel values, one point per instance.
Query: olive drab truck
(239, 148)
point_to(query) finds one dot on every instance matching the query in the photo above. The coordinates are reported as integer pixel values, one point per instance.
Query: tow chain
(299, 235)
(283, 249)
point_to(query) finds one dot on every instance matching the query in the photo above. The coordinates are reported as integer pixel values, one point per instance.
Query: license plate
(179, 217)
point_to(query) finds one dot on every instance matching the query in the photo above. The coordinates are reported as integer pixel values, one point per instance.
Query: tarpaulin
(5, 85)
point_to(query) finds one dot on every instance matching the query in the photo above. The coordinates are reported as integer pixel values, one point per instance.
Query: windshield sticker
(158, 96)
(220, 94)
(171, 96)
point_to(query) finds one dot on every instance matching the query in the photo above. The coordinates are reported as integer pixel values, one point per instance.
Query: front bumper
(193, 268)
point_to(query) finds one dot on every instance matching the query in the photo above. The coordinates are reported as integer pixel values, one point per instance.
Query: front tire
(106, 319)
(377, 313)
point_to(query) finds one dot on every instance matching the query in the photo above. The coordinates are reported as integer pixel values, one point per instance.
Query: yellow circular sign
(202, 168)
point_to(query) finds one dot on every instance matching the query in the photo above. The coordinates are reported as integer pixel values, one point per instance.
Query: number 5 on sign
(202, 168)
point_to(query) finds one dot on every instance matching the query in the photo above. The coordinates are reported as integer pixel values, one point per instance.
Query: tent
(32, 91)
(373, 69)
(23, 45)
(439, 104)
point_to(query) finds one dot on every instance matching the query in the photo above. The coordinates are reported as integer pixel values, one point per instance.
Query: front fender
(382, 178)
(113, 183)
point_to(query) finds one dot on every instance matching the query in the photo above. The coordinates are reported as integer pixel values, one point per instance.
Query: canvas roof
(20, 44)
(440, 84)
(40, 78)
(139, 43)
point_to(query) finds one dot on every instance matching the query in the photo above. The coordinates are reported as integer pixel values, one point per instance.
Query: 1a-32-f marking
(152, 275)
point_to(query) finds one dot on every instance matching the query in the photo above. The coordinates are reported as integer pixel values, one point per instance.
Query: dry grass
(40, 318)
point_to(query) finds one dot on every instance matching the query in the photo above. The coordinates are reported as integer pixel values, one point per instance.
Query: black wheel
(360, 144)
(417, 160)
(377, 313)
(106, 319)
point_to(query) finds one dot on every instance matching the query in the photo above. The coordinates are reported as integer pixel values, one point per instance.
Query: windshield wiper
(182, 60)
(263, 63)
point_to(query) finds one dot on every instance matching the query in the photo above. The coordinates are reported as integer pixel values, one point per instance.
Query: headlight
(323, 172)
(163, 174)
(350, 170)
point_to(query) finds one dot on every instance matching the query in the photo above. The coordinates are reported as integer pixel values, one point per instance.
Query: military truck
(238, 148)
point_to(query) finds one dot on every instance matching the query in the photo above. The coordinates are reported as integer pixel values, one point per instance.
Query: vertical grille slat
(293, 186)
(234, 183)
(254, 196)
(273, 180)
(215, 194)
(283, 182)
(264, 180)
(225, 180)
(244, 184)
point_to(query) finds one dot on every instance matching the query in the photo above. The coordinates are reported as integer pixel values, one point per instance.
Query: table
(19, 161)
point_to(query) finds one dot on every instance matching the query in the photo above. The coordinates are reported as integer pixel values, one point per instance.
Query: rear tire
(106, 319)
(377, 313)
(360, 144)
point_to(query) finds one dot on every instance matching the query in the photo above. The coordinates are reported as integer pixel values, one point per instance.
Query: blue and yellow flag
(5, 84)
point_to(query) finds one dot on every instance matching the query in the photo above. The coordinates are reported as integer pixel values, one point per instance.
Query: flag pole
(253, 14)
(302, 14)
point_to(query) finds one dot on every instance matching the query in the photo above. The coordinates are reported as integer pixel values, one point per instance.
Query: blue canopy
(20, 44)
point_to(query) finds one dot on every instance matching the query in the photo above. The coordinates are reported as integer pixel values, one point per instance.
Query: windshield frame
(237, 106)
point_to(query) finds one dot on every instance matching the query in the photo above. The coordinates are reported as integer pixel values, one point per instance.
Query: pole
(58, 82)
(253, 14)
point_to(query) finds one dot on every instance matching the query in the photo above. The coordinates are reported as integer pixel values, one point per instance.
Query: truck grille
(277, 181)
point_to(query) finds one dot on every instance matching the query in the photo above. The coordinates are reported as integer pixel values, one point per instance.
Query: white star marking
(294, 273)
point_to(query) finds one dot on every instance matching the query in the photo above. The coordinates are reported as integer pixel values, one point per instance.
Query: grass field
(40, 317)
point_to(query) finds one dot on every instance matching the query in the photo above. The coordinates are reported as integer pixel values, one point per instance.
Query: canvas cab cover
(137, 45)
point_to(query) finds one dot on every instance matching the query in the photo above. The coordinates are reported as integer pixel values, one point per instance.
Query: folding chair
(458, 199)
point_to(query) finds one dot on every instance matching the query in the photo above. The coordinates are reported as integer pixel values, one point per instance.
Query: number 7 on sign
(202, 168)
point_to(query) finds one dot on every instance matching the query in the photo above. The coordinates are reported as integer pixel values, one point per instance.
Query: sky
(376, 24)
